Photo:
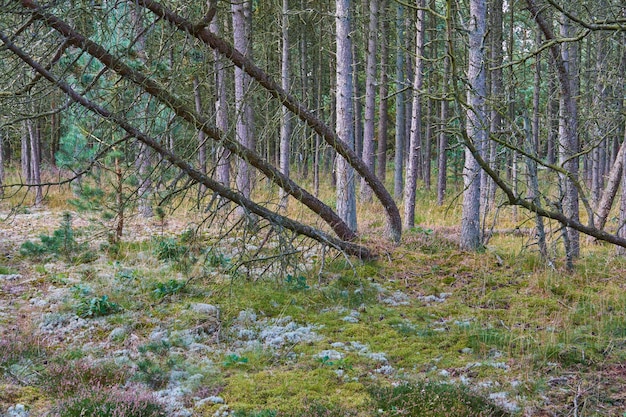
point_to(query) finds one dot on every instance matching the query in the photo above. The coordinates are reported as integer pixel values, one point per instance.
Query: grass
(509, 324)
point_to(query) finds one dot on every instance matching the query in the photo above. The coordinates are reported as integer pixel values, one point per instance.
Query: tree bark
(610, 191)
(35, 161)
(221, 109)
(244, 127)
(476, 126)
(346, 191)
(383, 106)
(286, 117)
(415, 147)
(202, 163)
(442, 157)
(400, 120)
(370, 97)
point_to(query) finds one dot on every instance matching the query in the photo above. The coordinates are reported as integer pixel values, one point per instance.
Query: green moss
(288, 390)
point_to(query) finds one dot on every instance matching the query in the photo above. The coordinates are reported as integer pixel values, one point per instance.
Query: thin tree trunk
(356, 101)
(533, 189)
(202, 162)
(442, 162)
(221, 110)
(25, 155)
(413, 166)
(144, 155)
(476, 126)
(496, 87)
(610, 191)
(242, 21)
(400, 120)
(286, 116)
(568, 137)
(383, 116)
(346, 191)
(35, 161)
(370, 97)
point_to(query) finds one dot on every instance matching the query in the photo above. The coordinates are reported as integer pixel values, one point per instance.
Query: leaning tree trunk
(415, 147)
(346, 191)
(370, 97)
(476, 126)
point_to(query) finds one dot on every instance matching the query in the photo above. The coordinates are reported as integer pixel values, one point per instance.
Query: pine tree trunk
(286, 117)
(476, 127)
(202, 162)
(383, 116)
(400, 121)
(496, 86)
(25, 155)
(244, 127)
(35, 161)
(221, 110)
(370, 97)
(346, 191)
(415, 147)
(143, 162)
(442, 157)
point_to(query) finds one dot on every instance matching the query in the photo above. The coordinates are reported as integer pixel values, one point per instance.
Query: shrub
(62, 242)
(171, 287)
(429, 399)
(66, 378)
(111, 402)
(96, 307)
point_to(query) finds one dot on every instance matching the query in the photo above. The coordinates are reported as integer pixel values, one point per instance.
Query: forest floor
(198, 326)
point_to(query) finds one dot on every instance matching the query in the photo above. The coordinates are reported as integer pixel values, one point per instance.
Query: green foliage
(215, 259)
(157, 347)
(342, 363)
(429, 399)
(152, 373)
(180, 251)
(170, 287)
(234, 360)
(62, 242)
(96, 307)
(169, 249)
(296, 283)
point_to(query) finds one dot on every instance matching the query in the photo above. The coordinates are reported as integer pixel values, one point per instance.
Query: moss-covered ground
(200, 326)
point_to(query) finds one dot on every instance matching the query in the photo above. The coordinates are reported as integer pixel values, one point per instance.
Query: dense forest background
(490, 103)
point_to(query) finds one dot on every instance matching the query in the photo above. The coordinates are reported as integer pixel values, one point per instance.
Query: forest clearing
(304, 208)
